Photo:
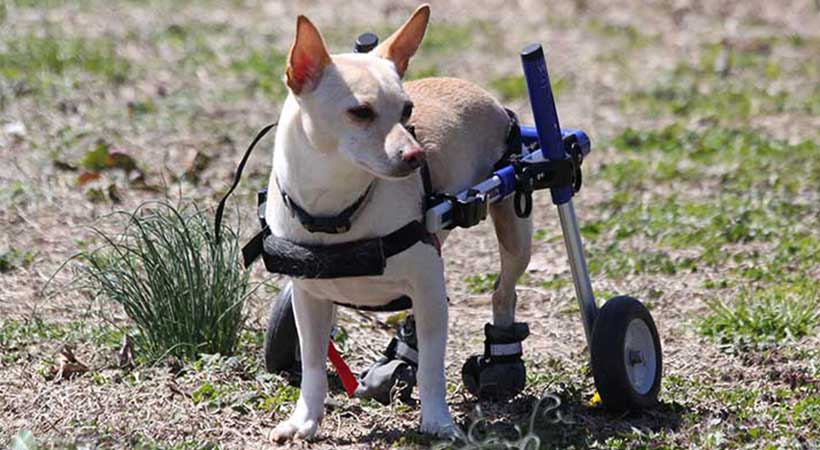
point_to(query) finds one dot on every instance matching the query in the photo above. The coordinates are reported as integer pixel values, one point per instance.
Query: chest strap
(366, 257)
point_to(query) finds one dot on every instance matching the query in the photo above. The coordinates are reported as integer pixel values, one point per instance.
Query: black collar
(337, 224)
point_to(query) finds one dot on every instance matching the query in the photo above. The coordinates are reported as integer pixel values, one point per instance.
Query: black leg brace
(499, 373)
(396, 370)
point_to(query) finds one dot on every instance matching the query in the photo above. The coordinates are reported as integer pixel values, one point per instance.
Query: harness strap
(337, 224)
(366, 257)
(427, 181)
(514, 141)
(397, 304)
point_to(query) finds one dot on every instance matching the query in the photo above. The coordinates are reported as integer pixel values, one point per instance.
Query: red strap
(347, 377)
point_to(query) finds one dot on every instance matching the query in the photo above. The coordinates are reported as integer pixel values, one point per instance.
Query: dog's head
(355, 103)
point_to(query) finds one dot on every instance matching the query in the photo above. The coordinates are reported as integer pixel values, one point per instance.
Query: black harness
(337, 224)
(366, 257)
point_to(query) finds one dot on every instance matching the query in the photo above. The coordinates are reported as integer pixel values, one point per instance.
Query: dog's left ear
(307, 59)
(402, 44)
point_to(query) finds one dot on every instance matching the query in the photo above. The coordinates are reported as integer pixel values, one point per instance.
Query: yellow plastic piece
(595, 400)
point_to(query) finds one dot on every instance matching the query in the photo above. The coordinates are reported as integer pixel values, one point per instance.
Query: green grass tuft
(33, 57)
(183, 290)
(265, 68)
(764, 317)
(12, 258)
(481, 284)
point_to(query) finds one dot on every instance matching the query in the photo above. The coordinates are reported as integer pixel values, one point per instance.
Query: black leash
(237, 176)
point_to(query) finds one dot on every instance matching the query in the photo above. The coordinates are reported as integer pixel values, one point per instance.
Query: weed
(513, 87)
(632, 36)
(266, 69)
(184, 290)
(11, 258)
(763, 317)
(481, 284)
(32, 57)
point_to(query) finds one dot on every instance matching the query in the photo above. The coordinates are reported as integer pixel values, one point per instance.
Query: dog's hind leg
(314, 320)
(500, 373)
(514, 236)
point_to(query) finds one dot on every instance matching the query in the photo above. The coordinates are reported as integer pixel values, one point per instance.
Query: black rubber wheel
(626, 355)
(281, 337)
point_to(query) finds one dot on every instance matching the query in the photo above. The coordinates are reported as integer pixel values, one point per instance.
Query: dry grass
(181, 86)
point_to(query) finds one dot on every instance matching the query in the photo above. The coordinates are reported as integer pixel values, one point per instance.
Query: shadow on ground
(528, 422)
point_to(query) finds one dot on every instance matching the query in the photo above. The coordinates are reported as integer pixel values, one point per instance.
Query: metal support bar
(578, 266)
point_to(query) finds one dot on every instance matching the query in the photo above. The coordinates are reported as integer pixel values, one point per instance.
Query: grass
(49, 58)
(265, 69)
(723, 84)
(513, 87)
(12, 258)
(481, 284)
(763, 317)
(711, 194)
(183, 290)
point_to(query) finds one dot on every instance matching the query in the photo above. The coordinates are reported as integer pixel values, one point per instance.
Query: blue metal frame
(544, 112)
(547, 135)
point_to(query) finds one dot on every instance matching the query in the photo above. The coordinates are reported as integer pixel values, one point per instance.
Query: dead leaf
(114, 193)
(125, 358)
(196, 165)
(87, 177)
(68, 366)
(119, 159)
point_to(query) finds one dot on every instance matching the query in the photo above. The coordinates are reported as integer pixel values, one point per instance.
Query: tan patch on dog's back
(462, 126)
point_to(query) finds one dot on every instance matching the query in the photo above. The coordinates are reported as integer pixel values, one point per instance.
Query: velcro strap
(407, 353)
(367, 257)
(254, 248)
(514, 348)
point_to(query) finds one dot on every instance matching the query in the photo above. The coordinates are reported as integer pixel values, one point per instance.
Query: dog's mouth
(396, 171)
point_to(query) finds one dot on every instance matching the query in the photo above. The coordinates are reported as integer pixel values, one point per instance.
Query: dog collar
(337, 224)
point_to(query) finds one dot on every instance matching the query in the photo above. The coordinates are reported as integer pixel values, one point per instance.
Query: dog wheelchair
(625, 349)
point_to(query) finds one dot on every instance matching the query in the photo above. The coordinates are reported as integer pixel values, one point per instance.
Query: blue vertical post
(552, 146)
(544, 112)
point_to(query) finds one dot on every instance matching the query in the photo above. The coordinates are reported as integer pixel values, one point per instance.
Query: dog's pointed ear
(402, 44)
(307, 59)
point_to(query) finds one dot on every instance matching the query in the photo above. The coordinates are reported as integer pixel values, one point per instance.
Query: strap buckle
(467, 211)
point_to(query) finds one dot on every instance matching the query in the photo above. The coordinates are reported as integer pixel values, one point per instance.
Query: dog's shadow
(558, 420)
(566, 422)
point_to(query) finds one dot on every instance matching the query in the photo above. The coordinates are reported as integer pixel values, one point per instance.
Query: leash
(220, 210)
(345, 374)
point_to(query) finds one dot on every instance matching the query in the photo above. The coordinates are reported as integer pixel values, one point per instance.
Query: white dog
(342, 137)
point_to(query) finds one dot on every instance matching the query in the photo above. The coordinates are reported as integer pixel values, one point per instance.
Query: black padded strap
(404, 238)
(366, 257)
(397, 304)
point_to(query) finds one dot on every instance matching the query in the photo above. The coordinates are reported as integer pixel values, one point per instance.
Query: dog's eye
(362, 112)
(406, 112)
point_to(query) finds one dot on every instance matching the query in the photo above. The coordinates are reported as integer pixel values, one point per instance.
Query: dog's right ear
(307, 59)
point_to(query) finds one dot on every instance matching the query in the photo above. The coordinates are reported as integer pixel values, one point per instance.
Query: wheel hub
(639, 356)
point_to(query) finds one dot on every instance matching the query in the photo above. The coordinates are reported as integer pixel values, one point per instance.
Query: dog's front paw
(294, 429)
(443, 428)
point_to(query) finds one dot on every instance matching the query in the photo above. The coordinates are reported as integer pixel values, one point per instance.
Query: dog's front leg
(430, 309)
(314, 320)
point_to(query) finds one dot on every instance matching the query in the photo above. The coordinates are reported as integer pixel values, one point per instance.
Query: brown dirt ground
(151, 405)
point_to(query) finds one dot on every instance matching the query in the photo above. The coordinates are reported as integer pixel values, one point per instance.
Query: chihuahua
(343, 136)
